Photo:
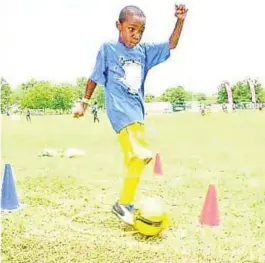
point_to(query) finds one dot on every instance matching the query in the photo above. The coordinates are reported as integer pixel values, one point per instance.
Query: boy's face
(131, 30)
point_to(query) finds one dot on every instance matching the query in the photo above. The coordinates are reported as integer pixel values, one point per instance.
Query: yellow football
(150, 219)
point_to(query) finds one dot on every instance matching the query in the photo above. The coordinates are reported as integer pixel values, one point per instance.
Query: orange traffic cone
(158, 165)
(210, 214)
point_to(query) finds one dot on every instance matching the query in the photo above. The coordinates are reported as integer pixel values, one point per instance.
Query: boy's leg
(131, 181)
(136, 157)
(97, 117)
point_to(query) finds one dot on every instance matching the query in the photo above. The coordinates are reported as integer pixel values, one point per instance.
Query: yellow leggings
(136, 157)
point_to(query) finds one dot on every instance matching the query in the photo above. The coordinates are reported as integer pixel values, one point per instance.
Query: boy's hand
(79, 111)
(181, 11)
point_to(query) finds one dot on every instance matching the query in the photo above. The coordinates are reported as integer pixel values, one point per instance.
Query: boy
(122, 68)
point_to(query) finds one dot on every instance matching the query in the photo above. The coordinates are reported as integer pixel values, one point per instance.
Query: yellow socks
(131, 181)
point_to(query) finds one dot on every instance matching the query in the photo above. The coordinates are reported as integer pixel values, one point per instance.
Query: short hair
(130, 10)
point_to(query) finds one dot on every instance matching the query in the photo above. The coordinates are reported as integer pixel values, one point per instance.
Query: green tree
(29, 84)
(174, 95)
(200, 97)
(259, 91)
(260, 94)
(149, 97)
(189, 96)
(222, 94)
(63, 97)
(6, 95)
(38, 96)
(241, 92)
(16, 96)
(45, 95)
(80, 87)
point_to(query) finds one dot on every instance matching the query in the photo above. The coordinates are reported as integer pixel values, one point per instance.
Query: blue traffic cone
(9, 199)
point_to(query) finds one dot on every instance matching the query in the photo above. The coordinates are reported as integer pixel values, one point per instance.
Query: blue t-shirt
(122, 71)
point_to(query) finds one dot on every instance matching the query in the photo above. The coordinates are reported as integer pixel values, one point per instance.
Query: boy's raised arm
(180, 13)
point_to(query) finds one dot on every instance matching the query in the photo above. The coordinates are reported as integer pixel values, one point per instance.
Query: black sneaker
(124, 212)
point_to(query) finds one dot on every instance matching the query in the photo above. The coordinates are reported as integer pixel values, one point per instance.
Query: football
(151, 218)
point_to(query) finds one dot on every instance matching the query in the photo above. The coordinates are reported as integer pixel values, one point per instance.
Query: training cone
(158, 165)
(210, 214)
(9, 199)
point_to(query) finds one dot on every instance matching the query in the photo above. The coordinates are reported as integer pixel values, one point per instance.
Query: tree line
(241, 92)
(46, 95)
(61, 96)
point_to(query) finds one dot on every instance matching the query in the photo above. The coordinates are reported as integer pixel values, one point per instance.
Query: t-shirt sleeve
(99, 73)
(156, 53)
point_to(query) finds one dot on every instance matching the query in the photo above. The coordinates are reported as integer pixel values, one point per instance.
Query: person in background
(95, 112)
(28, 115)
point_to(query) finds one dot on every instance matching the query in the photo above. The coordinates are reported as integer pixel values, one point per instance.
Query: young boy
(122, 68)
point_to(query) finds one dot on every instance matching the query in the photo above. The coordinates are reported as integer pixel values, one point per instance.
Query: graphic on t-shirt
(132, 75)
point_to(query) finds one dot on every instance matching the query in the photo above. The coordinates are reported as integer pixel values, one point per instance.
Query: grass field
(67, 216)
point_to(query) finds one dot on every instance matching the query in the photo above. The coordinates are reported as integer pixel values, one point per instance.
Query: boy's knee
(137, 164)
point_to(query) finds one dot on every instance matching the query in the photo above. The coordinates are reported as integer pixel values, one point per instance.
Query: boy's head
(131, 25)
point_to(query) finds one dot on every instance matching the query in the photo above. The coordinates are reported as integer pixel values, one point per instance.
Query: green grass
(66, 216)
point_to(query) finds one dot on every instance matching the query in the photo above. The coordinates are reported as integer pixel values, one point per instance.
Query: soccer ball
(150, 219)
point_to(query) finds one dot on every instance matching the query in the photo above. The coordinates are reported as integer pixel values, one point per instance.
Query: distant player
(122, 68)
(224, 107)
(95, 112)
(208, 110)
(203, 110)
(28, 115)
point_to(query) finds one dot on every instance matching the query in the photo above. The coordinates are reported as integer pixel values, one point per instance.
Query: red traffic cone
(210, 214)
(158, 165)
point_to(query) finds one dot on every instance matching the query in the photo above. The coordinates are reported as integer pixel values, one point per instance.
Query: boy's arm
(97, 76)
(180, 13)
(90, 87)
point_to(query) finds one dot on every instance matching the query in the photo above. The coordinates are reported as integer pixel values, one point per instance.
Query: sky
(58, 40)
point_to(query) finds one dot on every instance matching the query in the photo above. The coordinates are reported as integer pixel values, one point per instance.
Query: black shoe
(124, 212)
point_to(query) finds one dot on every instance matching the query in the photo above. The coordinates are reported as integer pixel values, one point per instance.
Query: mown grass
(66, 217)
